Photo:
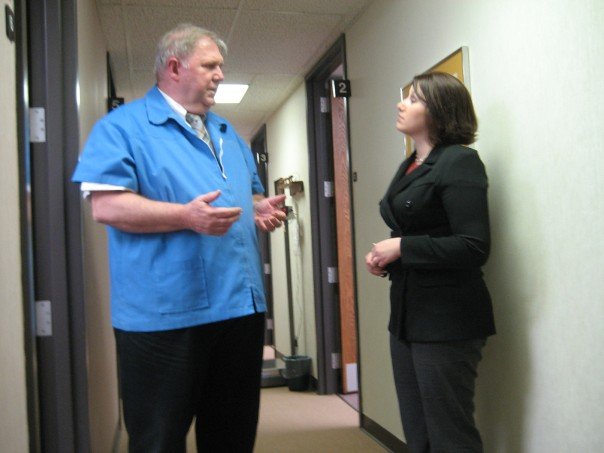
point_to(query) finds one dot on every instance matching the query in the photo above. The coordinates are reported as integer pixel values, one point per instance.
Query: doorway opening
(271, 376)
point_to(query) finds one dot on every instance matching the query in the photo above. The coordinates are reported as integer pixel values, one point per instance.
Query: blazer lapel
(401, 181)
(398, 182)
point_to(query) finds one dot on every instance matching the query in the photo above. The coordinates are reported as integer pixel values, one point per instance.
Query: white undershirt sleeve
(87, 187)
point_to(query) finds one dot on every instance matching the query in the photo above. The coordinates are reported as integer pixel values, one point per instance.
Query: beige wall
(13, 399)
(102, 372)
(536, 73)
(287, 145)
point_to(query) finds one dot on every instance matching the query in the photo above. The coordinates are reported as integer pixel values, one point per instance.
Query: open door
(346, 280)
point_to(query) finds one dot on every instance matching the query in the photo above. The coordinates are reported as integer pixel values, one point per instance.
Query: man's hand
(268, 213)
(206, 219)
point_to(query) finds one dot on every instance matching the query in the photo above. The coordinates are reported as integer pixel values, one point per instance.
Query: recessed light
(230, 93)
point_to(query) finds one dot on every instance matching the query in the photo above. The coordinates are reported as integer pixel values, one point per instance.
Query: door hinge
(328, 189)
(267, 268)
(10, 23)
(37, 125)
(325, 105)
(332, 275)
(43, 318)
(336, 359)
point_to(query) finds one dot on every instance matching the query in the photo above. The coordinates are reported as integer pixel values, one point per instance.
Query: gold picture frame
(456, 64)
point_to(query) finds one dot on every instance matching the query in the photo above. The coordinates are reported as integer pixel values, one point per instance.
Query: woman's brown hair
(451, 117)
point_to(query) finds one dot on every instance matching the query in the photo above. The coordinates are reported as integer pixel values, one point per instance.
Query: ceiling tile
(266, 92)
(147, 25)
(277, 43)
(113, 29)
(244, 122)
(230, 4)
(237, 77)
(342, 7)
(272, 44)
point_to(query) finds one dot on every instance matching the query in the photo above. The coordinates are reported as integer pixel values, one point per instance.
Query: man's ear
(173, 68)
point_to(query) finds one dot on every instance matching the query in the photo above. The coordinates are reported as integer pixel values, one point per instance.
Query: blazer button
(408, 203)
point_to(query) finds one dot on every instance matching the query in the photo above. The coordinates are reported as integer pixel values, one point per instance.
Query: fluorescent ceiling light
(230, 93)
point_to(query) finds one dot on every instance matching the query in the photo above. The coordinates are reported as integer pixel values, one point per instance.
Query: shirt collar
(182, 112)
(159, 114)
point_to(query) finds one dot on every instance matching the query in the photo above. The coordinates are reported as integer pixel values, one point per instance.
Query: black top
(440, 210)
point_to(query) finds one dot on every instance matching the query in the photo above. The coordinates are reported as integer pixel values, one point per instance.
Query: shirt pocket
(180, 286)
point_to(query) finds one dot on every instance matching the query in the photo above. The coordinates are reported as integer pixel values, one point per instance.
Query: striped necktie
(197, 123)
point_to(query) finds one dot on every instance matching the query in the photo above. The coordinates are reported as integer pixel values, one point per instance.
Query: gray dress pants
(435, 389)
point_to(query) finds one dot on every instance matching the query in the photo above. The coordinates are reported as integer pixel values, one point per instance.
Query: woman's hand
(382, 254)
(375, 270)
(385, 252)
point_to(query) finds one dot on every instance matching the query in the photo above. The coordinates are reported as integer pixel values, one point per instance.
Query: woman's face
(412, 116)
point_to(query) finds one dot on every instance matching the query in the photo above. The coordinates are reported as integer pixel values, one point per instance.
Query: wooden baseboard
(383, 436)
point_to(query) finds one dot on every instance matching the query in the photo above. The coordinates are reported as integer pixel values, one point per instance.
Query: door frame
(323, 220)
(55, 251)
(259, 150)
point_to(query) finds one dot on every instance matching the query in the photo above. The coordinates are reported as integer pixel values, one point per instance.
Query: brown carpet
(302, 422)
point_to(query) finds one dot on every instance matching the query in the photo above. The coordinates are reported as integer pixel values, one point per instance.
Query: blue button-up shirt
(162, 281)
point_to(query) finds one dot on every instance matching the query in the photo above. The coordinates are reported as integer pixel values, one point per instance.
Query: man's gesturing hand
(206, 219)
(268, 213)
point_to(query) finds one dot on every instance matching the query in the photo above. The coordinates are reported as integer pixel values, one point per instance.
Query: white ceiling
(272, 44)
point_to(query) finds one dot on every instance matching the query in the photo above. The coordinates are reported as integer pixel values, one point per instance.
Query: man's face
(200, 76)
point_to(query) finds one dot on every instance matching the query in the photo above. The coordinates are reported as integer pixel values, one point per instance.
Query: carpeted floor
(303, 422)
(300, 422)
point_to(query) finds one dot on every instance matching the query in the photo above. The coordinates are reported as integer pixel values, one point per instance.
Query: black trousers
(435, 387)
(211, 373)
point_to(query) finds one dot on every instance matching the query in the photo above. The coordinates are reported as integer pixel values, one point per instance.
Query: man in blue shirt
(187, 302)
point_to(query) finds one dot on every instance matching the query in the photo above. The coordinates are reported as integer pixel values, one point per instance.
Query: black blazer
(440, 211)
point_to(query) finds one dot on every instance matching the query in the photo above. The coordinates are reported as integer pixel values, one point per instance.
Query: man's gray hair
(180, 42)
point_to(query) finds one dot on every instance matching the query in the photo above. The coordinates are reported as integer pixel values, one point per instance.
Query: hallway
(297, 422)
(300, 422)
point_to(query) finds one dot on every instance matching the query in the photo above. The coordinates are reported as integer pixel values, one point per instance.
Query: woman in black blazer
(441, 313)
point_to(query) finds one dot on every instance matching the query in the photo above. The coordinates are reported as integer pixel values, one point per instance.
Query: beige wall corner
(13, 392)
